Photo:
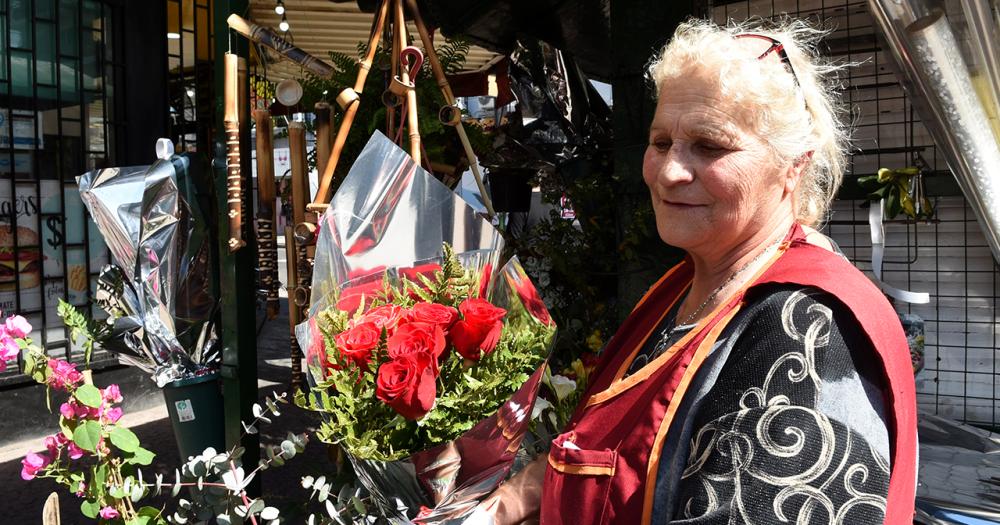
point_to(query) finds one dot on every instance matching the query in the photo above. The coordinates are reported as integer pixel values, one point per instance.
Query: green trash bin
(196, 413)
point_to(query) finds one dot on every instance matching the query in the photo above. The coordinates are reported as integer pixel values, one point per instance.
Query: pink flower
(64, 375)
(108, 513)
(74, 451)
(8, 350)
(81, 490)
(52, 444)
(74, 410)
(18, 326)
(31, 464)
(67, 411)
(112, 415)
(112, 394)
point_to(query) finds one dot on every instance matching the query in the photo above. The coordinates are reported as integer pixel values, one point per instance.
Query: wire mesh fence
(946, 256)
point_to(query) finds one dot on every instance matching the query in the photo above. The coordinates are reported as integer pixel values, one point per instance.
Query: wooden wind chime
(401, 96)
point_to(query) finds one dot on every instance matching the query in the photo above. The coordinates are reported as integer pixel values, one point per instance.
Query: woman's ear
(794, 173)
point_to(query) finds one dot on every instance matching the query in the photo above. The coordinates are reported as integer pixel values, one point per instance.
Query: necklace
(730, 279)
(667, 336)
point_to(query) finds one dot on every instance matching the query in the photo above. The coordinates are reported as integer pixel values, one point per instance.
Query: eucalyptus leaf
(256, 506)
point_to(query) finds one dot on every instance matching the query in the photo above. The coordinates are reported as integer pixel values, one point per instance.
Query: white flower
(541, 405)
(563, 386)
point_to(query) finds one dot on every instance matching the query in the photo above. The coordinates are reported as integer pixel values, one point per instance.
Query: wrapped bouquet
(425, 354)
(157, 293)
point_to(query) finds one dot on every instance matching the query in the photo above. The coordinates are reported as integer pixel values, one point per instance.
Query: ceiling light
(280, 8)
(284, 24)
(173, 36)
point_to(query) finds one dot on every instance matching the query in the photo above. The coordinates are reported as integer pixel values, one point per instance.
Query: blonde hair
(770, 98)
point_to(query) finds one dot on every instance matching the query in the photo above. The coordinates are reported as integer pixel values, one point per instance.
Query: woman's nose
(674, 168)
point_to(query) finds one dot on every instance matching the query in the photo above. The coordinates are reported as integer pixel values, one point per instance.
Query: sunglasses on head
(777, 47)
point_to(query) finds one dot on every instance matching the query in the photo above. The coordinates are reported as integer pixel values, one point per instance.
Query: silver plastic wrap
(389, 219)
(942, 81)
(157, 292)
(959, 472)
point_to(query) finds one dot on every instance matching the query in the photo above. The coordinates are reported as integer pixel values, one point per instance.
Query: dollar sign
(55, 226)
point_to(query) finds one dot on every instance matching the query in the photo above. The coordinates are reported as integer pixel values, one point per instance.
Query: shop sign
(26, 126)
(49, 246)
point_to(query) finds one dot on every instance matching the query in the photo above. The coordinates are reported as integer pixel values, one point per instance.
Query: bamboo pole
(300, 176)
(449, 97)
(324, 138)
(350, 111)
(231, 122)
(393, 67)
(266, 36)
(267, 247)
(246, 169)
(411, 93)
(291, 261)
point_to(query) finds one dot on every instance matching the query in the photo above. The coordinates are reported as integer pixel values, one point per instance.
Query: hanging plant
(902, 190)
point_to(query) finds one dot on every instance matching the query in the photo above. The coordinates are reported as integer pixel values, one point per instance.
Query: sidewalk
(21, 501)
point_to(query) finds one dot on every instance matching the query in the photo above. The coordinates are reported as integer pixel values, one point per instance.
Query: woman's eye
(712, 147)
(662, 145)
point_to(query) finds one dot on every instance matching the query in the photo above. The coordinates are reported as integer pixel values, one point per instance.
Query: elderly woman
(764, 379)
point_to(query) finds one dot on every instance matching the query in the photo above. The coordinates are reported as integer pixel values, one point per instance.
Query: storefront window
(56, 122)
(189, 60)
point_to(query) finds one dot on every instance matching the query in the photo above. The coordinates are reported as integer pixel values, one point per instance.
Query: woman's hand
(517, 501)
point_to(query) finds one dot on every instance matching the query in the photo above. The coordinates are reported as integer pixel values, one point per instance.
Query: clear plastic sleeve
(389, 220)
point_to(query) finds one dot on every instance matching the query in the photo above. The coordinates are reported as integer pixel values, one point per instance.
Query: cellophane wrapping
(389, 219)
(157, 291)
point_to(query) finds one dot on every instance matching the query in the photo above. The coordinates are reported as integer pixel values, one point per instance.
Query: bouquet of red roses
(424, 360)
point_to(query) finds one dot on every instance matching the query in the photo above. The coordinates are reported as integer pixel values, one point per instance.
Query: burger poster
(54, 242)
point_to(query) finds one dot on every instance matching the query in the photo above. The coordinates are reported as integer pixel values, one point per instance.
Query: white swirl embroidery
(777, 423)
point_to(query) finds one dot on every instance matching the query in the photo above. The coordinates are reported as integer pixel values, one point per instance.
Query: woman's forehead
(697, 112)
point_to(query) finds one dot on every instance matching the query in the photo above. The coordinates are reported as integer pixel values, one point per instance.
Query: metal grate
(58, 66)
(948, 256)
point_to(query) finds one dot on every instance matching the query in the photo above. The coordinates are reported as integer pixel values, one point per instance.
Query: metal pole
(236, 272)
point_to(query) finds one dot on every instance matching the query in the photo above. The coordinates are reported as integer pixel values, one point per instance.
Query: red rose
(479, 332)
(356, 344)
(415, 337)
(411, 274)
(387, 316)
(407, 384)
(350, 297)
(427, 270)
(434, 313)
